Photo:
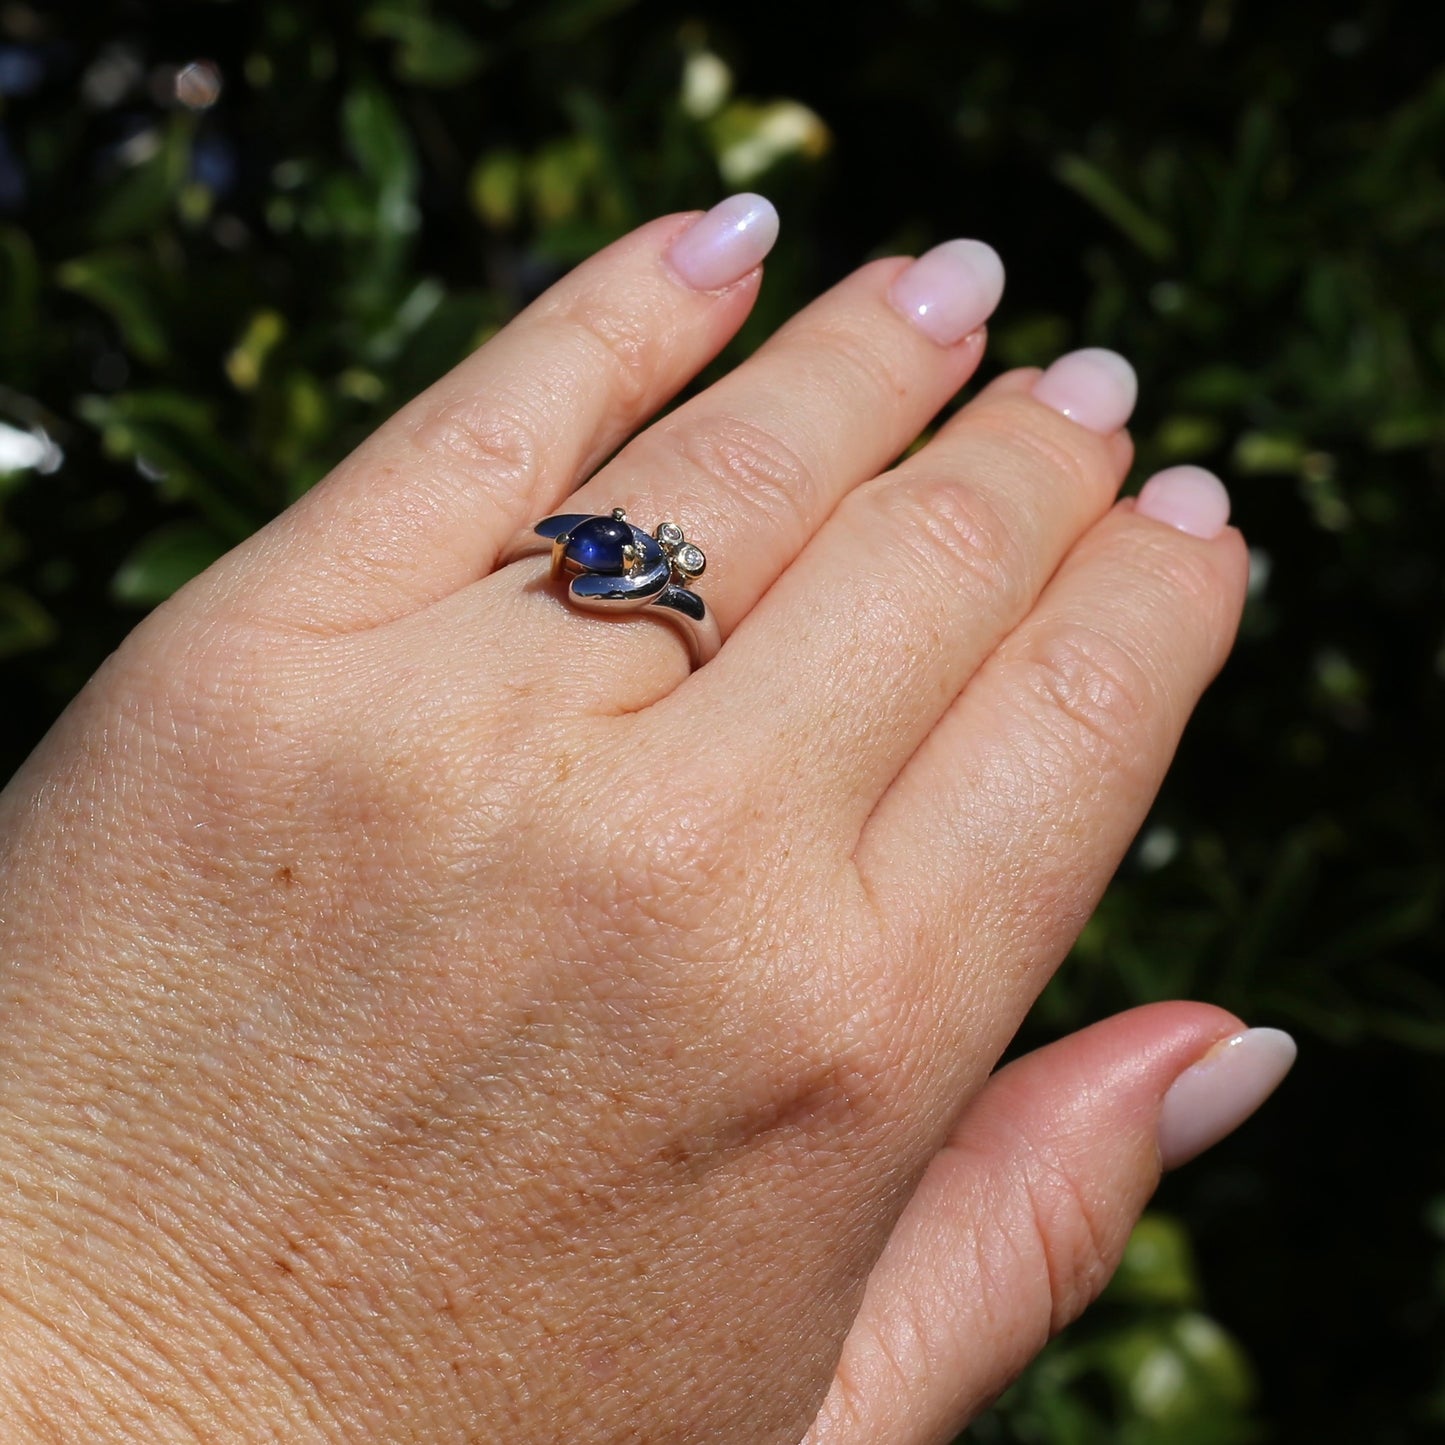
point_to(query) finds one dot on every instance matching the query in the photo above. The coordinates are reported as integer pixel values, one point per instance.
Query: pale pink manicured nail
(950, 291)
(1216, 1095)
(1189, 498)
(725, 244)
(1093, 387)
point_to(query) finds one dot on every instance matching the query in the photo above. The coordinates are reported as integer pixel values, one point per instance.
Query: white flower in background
(754, 138)
(706, 84)
(28, 451)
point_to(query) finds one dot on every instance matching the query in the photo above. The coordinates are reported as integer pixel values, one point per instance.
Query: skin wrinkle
(861, 366)
(1053, 792)
(439, 1056)
(145, 1355)
(1037, 442)
(766, 479)
(862, 611)
(563, 346)
(625, 341)
(1001, 1266)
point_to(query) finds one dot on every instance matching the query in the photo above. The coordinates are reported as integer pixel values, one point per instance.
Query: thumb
(1022, 1218)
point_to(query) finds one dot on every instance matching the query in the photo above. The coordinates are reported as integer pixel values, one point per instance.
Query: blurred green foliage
(234, 236)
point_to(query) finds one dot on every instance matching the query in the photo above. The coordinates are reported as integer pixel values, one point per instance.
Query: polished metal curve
(613, 566)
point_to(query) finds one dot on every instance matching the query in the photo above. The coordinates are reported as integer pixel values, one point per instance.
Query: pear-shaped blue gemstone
(596, 545)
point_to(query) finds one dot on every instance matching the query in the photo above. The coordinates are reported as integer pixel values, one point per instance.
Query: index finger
(424, 505)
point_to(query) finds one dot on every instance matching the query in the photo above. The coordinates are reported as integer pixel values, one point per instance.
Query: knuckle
(1093, 691)
(623, 343)
(761, 471)
(1187, 579)
(863, 370)
(1021, 441)
(1078, 1242)
(403, 521)
(957, 533)
(496, 436)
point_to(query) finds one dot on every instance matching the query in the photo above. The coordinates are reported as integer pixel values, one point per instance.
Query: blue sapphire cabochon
(596, 545)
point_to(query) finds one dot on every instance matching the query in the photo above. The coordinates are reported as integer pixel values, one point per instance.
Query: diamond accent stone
(689, 559)
(669, 534)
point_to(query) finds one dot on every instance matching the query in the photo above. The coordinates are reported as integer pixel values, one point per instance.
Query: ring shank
(680, 605)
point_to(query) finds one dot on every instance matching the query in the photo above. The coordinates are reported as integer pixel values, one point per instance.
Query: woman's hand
(434, 1013)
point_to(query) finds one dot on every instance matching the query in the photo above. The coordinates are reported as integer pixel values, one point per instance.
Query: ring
(616, 567)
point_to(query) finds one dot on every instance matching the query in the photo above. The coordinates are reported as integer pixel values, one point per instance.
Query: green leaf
(247, 360)
(24, 624)
(1258, 453)
(1030, 340)
(496, 187)
(145, 194)
(383, 148)
(560, 177)
(750, 138)
(174, 438)
(597, 123)
(1108, 198)
(123, 285)
(1183, 437)
(1187, 1375)
(165, 561)
(429, 51)
(408, 314)
(1158, 1265)
(456, 327)
(560, 21)
(295, 425)
(1226, 246)
(19, 299)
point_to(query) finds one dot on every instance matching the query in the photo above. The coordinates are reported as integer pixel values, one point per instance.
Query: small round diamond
(670, 534)
(690, 559)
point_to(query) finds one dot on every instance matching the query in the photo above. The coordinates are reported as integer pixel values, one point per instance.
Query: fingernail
(950, 291)
(1093, 387)
(1189, 498)
(1216, 1095)
(725, 244)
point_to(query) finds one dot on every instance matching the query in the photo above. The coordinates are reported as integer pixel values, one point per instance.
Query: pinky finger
(1023, 1216)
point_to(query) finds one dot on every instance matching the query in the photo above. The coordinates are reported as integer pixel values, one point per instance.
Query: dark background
(203, 305)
